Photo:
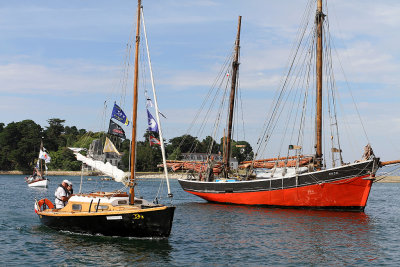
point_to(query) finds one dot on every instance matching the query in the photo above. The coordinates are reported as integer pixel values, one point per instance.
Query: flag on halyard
(43, 155)
(119, 115)
(294, 147)
(116, 130)
(109, 147)
(149, 103)
(154, 141)
(152, 122)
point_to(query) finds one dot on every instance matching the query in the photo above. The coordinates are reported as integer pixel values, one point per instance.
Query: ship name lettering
(137, 216)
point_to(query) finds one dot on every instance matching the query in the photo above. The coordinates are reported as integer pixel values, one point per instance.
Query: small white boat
(37, 182)
(37, 179)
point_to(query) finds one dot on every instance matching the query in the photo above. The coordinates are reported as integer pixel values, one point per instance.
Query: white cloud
(189, 39)
(62, 79)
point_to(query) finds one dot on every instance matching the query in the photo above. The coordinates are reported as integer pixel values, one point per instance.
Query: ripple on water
(207, 234)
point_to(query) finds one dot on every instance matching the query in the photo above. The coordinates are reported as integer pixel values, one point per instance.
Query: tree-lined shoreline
(20, 144)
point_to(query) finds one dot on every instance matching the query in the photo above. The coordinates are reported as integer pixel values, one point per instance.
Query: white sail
(106, 168)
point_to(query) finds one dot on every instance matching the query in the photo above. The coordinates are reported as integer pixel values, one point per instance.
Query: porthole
(122, 202)
(76, 207)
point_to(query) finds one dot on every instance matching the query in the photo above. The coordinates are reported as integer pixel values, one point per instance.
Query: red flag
(154, 141)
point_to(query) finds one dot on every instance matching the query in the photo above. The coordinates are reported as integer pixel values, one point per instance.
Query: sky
(63, 59)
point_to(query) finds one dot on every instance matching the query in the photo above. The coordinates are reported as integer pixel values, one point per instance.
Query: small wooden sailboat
(112, 213)
(38, 179)
(295, 181)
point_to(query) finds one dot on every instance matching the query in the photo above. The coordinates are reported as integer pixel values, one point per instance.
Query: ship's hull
(154, 222)
(39, 183)
(343, 188)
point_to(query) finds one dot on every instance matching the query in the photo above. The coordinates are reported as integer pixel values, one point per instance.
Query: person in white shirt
(62, 194)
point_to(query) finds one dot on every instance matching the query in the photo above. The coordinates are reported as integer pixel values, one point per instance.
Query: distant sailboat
(295, 181)
(112, 213)
(38, 179)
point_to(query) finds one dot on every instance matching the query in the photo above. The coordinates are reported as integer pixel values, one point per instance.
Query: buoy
(43, 204)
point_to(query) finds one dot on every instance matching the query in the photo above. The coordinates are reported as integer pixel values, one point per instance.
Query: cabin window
(76, 207)
(122, 202)
(138, 201)
(101, 207)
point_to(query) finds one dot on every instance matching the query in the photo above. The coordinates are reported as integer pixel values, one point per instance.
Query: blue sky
(63, 59)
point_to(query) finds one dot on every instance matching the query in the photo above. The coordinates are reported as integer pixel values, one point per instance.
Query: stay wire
(264, 136)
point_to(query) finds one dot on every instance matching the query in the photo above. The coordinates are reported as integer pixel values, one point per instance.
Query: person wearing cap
(70, 189)
(62, 194)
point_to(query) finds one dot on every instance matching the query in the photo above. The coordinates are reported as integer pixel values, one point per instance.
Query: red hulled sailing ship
(294, 180)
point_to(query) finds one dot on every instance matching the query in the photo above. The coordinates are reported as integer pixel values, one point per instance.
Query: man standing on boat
(62, 194)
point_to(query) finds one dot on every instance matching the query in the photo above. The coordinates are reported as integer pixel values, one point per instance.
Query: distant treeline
(20, 144)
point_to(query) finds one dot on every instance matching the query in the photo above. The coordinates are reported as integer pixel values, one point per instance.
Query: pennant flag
(152, 122)
(119, 115)
(115, 129)
(154, 141)
(109, 147)
(43, 155)
(149, 103)
(294, 147)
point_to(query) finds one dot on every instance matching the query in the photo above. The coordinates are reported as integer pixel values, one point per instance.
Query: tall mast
(318, 128)
(235, 67)
(134, 114)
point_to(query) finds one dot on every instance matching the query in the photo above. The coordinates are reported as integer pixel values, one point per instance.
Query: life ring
(43, 204)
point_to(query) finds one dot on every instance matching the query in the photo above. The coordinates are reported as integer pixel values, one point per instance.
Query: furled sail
(106, 168)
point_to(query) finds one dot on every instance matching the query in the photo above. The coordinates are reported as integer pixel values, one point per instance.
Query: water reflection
(206, 234)
(311, 236)
(88, 249)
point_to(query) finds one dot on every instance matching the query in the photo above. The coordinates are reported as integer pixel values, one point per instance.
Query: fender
(43, 204)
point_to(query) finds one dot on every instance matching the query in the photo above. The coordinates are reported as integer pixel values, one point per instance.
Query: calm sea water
(206, 234)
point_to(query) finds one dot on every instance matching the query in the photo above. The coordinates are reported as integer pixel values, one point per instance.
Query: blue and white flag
(119, 115)
(152, 122)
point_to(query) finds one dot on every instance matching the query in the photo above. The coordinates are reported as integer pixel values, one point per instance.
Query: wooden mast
(318, 128)
(235, 67)
(134, 114)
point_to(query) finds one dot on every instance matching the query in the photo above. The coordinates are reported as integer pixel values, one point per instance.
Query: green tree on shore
(20, 143)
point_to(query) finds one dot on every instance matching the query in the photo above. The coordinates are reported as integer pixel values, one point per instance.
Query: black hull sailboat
(113, 213)
(145, 221)
(156, 223)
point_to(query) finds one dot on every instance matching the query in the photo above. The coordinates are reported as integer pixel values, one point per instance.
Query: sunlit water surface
(205, 234)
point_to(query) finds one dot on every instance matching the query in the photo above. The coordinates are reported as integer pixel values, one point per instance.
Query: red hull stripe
(344, 193)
